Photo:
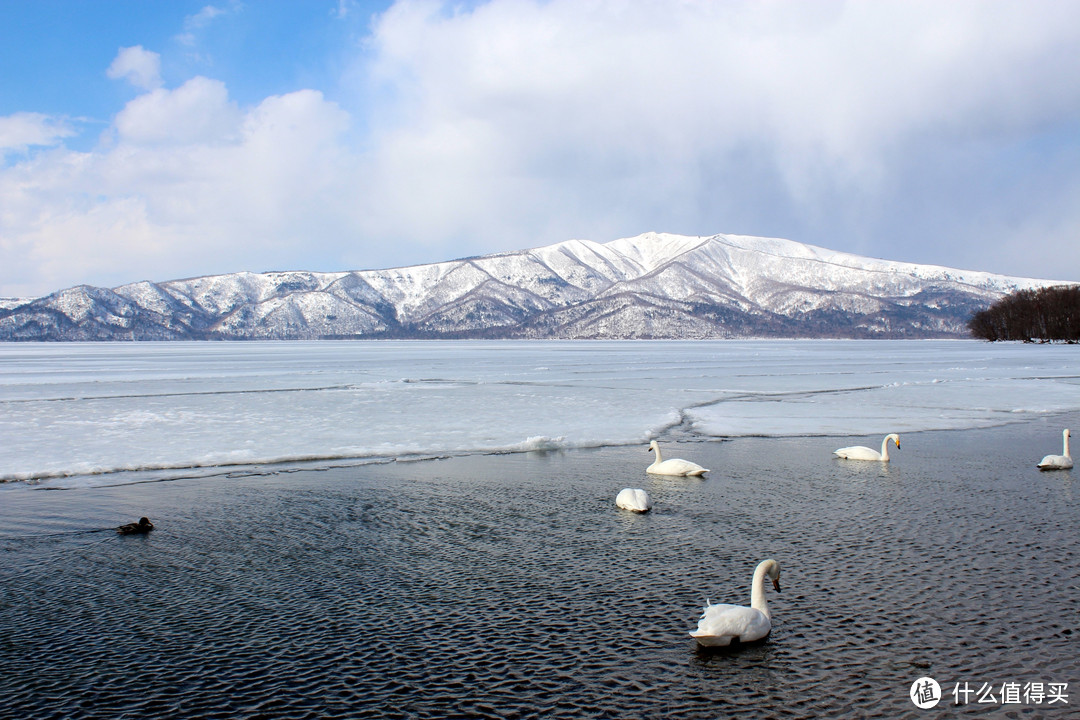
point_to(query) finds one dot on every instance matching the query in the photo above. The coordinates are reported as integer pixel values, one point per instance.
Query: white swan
(858, 452)
(1058, 462)
(675, 466)
(633, 499)
(721, 624)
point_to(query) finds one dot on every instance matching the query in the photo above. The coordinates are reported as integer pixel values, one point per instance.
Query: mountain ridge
(654, 285)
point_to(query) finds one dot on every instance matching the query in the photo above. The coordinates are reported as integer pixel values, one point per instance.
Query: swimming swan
(1058, 462)
(635, 500)
(675, 466)
(721, 625)
(858, 452)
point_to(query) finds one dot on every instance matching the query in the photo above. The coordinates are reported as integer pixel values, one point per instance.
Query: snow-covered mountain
(652, 286)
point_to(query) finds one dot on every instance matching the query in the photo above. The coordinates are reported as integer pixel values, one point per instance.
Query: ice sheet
(79, 409)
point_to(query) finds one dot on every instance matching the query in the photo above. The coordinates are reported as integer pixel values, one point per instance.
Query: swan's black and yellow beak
(776, 584)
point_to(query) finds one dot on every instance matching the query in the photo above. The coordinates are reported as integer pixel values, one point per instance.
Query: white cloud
(197, 111)
(139, 66)
(187, 185)
(25, 129)
(840, 83)
(206, 15)
(203, 17)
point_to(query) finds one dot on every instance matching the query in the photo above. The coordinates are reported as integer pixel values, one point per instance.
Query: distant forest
(1031, 315)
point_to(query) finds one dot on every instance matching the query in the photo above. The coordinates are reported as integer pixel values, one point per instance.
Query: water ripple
(511, 587)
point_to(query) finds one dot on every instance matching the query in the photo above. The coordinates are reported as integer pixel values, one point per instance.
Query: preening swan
(675, 466)
(633, 499)
(858, 452)
(1058, 462)
(721, 625)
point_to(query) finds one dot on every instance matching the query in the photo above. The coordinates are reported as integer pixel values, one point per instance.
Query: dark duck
(143, 526)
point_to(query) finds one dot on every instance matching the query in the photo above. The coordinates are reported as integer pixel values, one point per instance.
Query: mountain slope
(651, 286)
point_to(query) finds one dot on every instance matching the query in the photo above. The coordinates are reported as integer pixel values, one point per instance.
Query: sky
(162, 140)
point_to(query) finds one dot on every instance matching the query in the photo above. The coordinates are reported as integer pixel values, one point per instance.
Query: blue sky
(56, 52)
(155, 140)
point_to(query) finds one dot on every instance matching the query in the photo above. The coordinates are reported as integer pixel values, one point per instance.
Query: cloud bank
(928, 132)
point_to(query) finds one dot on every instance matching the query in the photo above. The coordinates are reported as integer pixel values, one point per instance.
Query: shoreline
(134, 414)
(285, 466)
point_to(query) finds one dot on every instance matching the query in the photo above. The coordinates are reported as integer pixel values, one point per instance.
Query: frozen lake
(72, 412)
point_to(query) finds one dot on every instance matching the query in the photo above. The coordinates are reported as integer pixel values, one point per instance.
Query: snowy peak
(788, 250)
(655, 285)
(653, 250)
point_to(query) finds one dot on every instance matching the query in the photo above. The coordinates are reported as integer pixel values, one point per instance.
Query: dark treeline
(1045, 314)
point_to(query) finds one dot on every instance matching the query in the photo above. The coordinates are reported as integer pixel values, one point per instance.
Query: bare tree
(1045, 314)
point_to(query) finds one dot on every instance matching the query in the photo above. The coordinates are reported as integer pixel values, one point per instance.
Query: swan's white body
(722, 624)
(675, 466)
(1058, 462)
(859, 452)
(633, 499)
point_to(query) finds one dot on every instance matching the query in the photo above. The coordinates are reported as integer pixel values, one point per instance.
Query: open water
(509, 585)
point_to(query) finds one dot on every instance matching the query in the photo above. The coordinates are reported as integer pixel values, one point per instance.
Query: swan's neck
(1066, 434)
(656, 449)
(885, 447)
(757, 590)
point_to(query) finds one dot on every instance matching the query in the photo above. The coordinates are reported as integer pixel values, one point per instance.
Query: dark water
(510, 586)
